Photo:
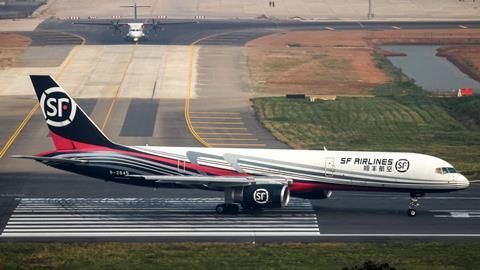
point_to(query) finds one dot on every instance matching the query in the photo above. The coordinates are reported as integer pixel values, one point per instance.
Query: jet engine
(324, 194)
(261, 196)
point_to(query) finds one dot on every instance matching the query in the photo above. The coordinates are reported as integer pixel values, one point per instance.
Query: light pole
(370, 11)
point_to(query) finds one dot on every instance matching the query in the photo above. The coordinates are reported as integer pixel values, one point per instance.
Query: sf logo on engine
(57, 107)
(260, 196)
(402, 165)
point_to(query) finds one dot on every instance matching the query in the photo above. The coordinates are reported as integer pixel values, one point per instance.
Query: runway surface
(37, 202)
(185, 34)
(54, 206)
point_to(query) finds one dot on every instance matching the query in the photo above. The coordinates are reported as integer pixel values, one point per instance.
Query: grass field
(407, 123)
(450, 256)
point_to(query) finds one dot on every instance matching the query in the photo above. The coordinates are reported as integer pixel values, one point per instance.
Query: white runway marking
(456, 213)
(123, 217)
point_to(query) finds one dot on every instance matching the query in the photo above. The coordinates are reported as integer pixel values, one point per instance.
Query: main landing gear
(228, 207)
(414, 204)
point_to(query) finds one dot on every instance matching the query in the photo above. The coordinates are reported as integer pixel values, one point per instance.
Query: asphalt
(185, 34)
(90, 204)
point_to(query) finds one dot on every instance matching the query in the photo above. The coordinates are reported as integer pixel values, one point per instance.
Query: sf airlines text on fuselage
(367, 161)
(378, 164)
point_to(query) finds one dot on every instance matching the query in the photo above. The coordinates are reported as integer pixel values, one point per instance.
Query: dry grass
(339, 62)
(11, 45)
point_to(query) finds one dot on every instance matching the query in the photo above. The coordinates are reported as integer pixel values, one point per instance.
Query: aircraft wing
(102, 23)
(51, 159)
(217, 181)
(168, 23)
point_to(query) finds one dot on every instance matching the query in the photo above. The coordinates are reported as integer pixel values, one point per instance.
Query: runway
(56, 206)
(38, 203)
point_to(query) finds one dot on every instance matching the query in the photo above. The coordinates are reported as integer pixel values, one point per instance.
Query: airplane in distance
(251, 178)
(136, 29)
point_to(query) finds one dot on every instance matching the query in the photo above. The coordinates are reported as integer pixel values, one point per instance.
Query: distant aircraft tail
(69, 126)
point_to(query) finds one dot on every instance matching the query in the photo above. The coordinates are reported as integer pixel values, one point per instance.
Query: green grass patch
(406, 124)
(237, 256)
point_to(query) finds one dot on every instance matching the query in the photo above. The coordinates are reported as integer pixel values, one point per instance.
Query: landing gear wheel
(413, 205)
(220, 208)
(227, 208)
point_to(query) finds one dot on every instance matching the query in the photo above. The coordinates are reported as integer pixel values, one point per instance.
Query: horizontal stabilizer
(51, 159)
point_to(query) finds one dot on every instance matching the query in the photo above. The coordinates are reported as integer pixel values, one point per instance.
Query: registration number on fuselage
(118, 172)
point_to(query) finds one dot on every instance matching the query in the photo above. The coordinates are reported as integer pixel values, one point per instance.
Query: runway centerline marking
(330, 28)
(27, 118)
(463, 26)
(117, 92)
(396, 27)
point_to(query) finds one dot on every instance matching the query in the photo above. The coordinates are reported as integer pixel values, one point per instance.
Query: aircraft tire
(227, 209)
(412, 212)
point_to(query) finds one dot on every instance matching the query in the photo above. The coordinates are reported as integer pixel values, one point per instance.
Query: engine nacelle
(317, 194)
(325, 194)
(261, 196)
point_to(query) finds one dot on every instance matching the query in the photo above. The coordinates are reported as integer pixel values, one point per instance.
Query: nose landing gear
(414, 204)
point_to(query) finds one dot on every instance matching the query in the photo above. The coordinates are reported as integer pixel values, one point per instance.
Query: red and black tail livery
(69, 126)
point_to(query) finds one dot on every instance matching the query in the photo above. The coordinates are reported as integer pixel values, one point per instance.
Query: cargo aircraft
(136, 29)
(250, 178)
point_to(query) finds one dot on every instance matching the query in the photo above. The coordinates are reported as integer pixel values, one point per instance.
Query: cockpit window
(445, 170)
(452, 170)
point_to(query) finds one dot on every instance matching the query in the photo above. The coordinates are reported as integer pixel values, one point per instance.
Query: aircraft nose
(462, 182)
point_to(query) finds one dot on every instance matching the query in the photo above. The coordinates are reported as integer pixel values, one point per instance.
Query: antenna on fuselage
(135, 6)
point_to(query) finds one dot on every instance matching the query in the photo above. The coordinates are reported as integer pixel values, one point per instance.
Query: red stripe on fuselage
(65, 145)
(297, 187)
(313, 187)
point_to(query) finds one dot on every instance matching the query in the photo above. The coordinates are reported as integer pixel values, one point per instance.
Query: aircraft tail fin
(69, 126)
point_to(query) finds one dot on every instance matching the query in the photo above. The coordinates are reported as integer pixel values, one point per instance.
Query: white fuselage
(135, 31)
(388, 170)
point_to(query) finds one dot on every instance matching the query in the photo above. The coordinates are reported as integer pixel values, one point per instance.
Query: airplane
(251, 178)
(136, 30)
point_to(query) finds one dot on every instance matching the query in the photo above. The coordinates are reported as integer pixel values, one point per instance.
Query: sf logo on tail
(58, 109)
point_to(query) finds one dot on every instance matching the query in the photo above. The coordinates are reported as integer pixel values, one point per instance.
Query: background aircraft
(136, 30)
(253, 178)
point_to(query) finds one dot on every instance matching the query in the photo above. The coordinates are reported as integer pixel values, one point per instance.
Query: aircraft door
(181, 166)
(329, 166)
